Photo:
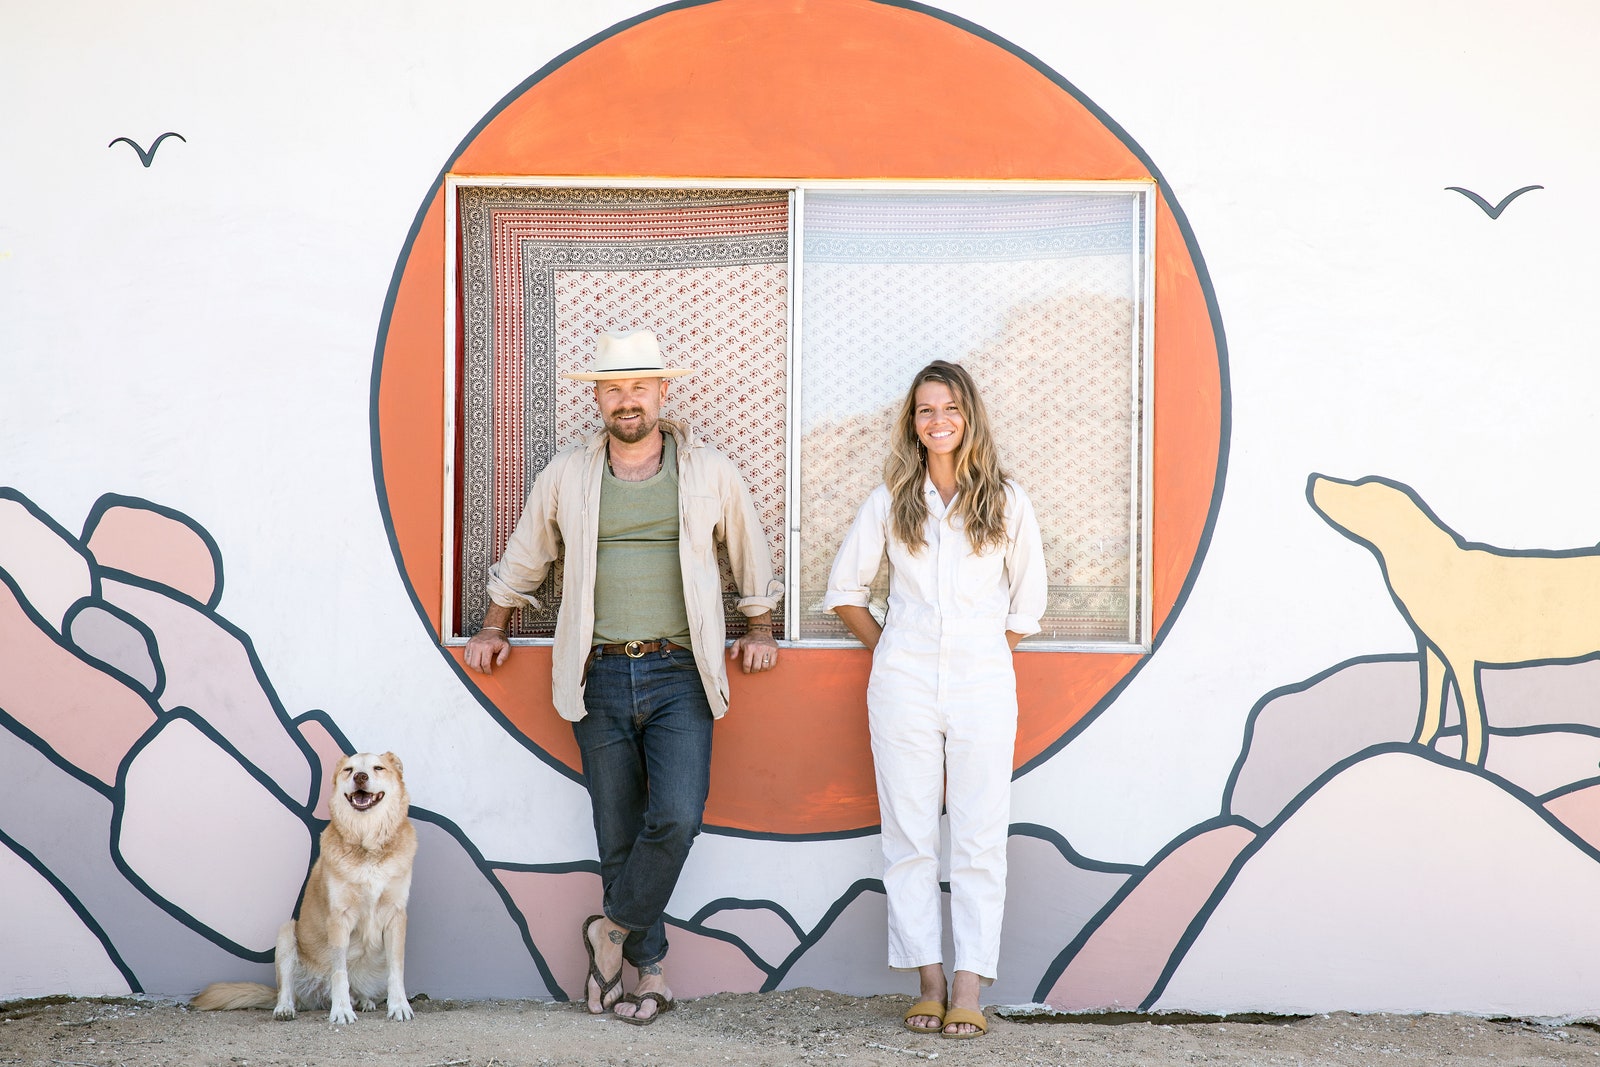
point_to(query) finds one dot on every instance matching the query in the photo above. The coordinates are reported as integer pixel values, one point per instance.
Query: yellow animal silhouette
(1471, 605)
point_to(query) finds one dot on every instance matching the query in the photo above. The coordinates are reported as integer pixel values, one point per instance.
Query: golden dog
(351, 934)
(1471, 605)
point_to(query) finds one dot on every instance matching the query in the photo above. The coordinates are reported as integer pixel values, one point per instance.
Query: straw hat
(626, 354)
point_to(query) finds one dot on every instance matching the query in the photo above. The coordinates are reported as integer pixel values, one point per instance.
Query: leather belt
(635, 649)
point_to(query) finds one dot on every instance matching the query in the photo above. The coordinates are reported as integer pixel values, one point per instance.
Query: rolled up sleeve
(859, 556)
(1027, 581)
(534, 544)
(748, 553)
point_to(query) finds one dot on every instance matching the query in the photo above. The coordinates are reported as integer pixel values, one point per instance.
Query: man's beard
(634, 434)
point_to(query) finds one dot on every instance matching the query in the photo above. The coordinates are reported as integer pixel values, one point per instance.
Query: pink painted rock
(90, 718)
(207, 837)
(849, 954)
(50, 571)
(45, 949)
(1049, 900)
(1545, 761)
(763, 930)
(214, 673)
(462, 938)
(702, 965)
(1579, 811)
(554, 907)
(1548, 694)
(64, 826)
(1296, 736)
(1406, 883)
(1120, 962)
(157, 544)
(329, 753)
(105, 636)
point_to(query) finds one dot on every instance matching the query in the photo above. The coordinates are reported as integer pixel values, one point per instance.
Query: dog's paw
(341, 1015)
(366, 1004)
(282, 1013)
(400, 1011)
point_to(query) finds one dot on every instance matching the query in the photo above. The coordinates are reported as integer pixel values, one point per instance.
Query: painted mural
(622, 105)
(1360, 768)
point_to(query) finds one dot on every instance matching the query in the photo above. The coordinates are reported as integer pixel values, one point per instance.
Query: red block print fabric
(543, 271)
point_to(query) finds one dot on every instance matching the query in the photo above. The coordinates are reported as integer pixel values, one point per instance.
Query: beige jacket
(563, 516)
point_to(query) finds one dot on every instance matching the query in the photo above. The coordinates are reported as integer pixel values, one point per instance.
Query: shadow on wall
(1374, 852)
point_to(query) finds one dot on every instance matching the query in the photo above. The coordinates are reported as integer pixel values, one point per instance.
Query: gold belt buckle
(634, 649)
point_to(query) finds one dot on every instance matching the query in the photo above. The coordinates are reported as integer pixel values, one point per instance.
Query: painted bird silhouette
(146, 157)
(1493, 211)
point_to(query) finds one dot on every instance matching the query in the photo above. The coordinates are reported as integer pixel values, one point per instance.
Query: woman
(966, 583)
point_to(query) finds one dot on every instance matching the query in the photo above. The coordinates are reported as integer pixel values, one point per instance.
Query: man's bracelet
(497, 629)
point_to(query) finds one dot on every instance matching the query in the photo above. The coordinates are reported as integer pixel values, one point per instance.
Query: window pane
(1040, 296)
(543, 271)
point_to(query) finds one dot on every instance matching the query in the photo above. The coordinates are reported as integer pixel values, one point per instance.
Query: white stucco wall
(201, 333)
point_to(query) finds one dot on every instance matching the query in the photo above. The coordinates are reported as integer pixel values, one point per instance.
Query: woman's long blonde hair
(980, 483)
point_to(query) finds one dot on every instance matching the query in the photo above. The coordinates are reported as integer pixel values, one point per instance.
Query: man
(634, 513)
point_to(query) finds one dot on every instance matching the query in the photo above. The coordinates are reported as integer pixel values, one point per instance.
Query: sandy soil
(798, 1027)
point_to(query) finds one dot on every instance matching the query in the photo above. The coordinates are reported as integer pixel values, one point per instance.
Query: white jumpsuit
(942, 710)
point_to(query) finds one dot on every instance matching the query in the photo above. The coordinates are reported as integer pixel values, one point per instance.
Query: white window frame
(1141, 385)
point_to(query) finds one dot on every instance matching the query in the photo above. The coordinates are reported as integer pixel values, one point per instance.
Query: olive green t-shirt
(638, 580)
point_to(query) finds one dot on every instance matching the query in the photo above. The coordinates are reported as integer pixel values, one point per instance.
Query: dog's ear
(394, 761)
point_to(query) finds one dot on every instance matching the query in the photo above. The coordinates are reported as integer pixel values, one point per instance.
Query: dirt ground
(803, 1027)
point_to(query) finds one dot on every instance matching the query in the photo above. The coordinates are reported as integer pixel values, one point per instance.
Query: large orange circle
(803, 89)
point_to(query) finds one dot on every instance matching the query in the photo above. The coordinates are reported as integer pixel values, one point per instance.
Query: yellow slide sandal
(965, 1015)
(931, 1008)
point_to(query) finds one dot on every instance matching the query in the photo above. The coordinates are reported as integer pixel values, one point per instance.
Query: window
(542, 272)
(804, 311)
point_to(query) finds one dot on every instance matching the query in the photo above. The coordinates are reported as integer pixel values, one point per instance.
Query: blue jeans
(646, 745)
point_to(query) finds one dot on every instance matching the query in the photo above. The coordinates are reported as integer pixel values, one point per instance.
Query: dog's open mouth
(361, 800)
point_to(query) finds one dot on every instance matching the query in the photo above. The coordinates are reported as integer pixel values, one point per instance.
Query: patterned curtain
(1039, 296)
(543, 271)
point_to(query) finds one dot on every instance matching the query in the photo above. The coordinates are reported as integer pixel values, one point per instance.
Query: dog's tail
(226, 996)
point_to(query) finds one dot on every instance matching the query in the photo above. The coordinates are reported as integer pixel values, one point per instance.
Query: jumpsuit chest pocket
(980, 574)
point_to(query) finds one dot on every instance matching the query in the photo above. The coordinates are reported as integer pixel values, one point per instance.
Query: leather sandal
(605, 984)
(663, 1005)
